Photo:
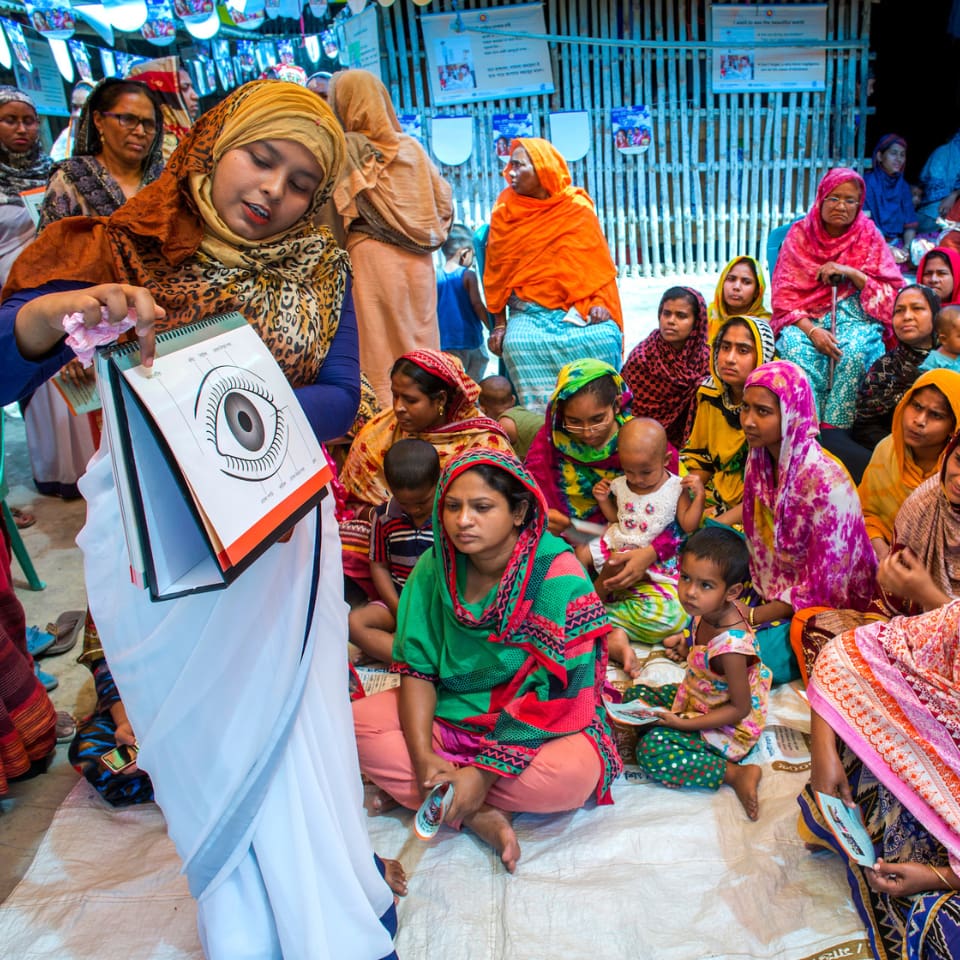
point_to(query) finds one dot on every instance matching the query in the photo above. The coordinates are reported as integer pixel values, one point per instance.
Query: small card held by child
(846, 824)
(636, 713)
(434, 808)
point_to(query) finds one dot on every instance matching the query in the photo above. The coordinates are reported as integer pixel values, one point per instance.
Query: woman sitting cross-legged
(501, 647)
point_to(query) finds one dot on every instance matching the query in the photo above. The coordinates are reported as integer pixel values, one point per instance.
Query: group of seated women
(501, 632)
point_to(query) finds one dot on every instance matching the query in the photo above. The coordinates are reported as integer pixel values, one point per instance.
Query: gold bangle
(750, 613)
(943, 879)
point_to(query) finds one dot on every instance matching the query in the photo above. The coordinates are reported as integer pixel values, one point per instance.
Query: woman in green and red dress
(501, 647)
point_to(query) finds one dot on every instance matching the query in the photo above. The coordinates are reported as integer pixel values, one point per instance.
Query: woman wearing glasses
(575, 450)
(835, 244)
(116, 152)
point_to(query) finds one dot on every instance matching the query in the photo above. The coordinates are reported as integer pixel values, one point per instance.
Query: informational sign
(43, 82)
(742, 65)
(412, 125)
(362, 38)
(466, 63)
(632, 129)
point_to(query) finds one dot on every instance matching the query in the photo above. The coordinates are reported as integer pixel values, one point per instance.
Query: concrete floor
(26, 812)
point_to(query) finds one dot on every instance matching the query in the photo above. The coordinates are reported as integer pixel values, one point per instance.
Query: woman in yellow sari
(739, 293)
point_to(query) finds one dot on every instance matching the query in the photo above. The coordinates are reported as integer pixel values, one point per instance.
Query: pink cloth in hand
(84, 340)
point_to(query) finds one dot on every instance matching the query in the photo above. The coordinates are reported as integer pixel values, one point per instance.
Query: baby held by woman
(640, 504)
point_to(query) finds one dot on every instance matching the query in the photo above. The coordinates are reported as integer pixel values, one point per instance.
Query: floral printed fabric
(704, 690)
(641, 517)
(801, 516)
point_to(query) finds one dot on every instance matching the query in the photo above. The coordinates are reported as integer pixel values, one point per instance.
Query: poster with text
(632, 129)
(362, 42)
(411, 125)
(43, 83)
(478, 54)
(739, 64)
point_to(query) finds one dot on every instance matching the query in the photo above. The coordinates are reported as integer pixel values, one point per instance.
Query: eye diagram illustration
(241, 420)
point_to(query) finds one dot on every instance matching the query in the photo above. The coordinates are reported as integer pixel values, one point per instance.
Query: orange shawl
(390, 188)
(550, 252)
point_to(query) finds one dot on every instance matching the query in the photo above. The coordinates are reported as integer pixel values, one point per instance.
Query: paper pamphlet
(80, 397)
(33, 201)
(583, 531)
(636, 713)
(782, 748)
(846, 824)
(574, 316)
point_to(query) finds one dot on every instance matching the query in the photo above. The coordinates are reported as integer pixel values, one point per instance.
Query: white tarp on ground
(660, 874)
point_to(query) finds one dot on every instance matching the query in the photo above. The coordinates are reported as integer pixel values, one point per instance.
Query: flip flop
(66, 631)
(22, 519)
(66, 727)
(49, 681)
(39, 641)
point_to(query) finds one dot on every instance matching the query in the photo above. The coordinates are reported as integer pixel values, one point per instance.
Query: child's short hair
(460, 236)
(947, 317)
(724, 547)
(411, 464)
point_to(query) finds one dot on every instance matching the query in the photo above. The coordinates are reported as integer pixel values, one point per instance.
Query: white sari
(286, 870)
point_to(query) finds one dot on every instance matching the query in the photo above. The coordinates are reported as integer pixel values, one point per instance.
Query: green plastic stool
(16, 541)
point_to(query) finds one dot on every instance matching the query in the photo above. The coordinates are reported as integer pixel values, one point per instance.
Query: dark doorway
(917, 92)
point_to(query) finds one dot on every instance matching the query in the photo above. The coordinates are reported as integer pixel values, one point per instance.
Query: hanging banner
(632, 129)
(160, 28)
(739, 65)
(42, 81)
(362, 42)
(78, 50)
(52, 18)
(193, 11)
(14, 34)
(465, 64)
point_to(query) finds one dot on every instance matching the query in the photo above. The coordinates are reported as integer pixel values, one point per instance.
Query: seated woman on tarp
(546, 256)
(801, 517)
(665, 370)
(433, 400)
(272, 829)
(834, 241)
(923, 423)
(924, 572)
(914, 312)
(885, 711)
(739, 293)
(717, 448)
(501, 648)
(575, 450)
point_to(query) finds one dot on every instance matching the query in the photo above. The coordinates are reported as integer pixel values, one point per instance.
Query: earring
(442, 408)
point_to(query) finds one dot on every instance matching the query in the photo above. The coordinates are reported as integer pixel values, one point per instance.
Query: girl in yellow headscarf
(739, 293)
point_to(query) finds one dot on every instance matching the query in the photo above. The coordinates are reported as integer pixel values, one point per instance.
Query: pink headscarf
(797, 294)
(819, 554)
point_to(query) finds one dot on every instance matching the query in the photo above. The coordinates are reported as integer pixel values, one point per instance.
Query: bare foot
(618, 645)
(745, 780)
(381, 802)
(493, 826)
(395, 876)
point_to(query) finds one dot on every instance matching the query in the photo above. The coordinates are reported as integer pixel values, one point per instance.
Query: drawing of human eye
(243, 423)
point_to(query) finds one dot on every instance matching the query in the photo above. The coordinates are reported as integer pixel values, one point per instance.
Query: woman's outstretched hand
(903, 879)
(39, 323)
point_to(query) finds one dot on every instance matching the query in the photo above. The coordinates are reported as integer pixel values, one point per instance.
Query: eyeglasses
(581, 428)
(847, 201)
(14, 122)
(130, 121)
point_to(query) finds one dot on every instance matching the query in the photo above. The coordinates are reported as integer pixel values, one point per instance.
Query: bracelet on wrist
(943, 879)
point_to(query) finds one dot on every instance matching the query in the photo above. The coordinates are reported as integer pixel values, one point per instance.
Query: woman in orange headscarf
(546, 260)
(397, 210)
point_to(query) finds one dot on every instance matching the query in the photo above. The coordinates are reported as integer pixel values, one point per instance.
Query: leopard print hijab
(167, 238)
